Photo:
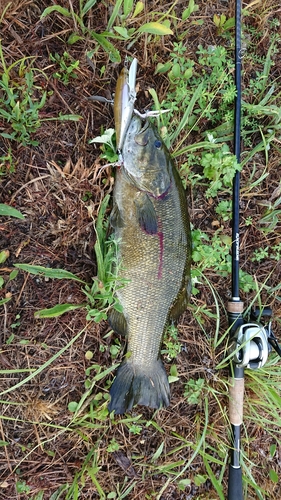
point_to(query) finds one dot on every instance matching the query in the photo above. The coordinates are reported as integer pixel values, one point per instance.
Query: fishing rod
(235, 305)
(250, 342)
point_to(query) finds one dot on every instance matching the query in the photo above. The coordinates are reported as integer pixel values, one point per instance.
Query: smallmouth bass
(150, 221)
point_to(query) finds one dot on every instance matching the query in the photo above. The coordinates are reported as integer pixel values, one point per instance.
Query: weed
(4, 254)
(248, 221)
(211, 253)
(272, 215)
(223, 209)
(214, 78)
(101, 294)
(123, 13)
(20, 108)
(16, 323)
(22, 487)
(219, 167)
(172, 346)
(193, 390)
(113, 446)
(222, 23)
(135, 429)
(20, 103)
(108, 141)
(260, 254)
(67, 67)
(7, 165)
(273, 253)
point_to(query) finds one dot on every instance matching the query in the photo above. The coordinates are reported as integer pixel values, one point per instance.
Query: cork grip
(236, 395)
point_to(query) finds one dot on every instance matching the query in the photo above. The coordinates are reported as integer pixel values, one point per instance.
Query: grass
(58, 353)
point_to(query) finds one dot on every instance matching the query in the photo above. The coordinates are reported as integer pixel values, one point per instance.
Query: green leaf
(192, 7)
(3, 443)
(57, 310)
(72, 406)
(88, 5)
(174, 371)
(122, 31)
(214, 480)
(112, 494)
(4, 255)
(71, 118)
(10, 339)
(13, 274)
(48, 272)
(106, 138)
(2, 281)
(176, 70)
(275, 396)
(138, 9)
(155, 28)
(118, 307)
(188, 73)
(183, 483)
(99, 316)
(57, 494)
(199, 480)
(6, 210)
(163, 68)
(273, 476)
(114, 14)
(22, 487)
(230, 23)
(272, 450)
(154, 97)
(184, 121)
(73, 38)
(158, 452)
(55, 8)
(127, 7)
(113, 53)
(40, 494)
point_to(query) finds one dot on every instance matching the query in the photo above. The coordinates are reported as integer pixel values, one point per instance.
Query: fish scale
(150, 221)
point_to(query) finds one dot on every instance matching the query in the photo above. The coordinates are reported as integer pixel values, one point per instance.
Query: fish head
(145, 158)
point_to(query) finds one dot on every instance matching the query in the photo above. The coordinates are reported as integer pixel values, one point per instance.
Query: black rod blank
(237, 152)
(235, 306)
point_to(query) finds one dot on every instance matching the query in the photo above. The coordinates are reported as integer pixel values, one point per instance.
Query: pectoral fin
(146, 214)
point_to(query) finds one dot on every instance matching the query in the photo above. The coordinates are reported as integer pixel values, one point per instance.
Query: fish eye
(158, 144)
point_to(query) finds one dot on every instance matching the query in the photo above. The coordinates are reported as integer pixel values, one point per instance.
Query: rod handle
(235, 490)
(236, 397)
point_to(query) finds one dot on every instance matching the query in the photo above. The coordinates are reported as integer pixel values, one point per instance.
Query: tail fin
(139, 385)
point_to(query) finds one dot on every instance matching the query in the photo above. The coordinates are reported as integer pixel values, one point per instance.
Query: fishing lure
(124, 101)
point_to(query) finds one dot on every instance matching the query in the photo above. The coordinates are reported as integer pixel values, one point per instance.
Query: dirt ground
(58, 185)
